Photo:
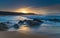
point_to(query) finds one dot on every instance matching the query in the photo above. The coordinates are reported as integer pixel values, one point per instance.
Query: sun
(23, 10)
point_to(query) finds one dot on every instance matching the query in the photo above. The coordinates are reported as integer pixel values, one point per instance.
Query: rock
(34, 23)
(3, 27)
(16, 26)
(20, 22)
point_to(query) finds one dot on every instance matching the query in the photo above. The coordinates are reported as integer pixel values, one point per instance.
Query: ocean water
(46, 27)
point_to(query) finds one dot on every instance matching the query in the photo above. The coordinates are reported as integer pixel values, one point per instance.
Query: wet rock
(20, 22)
(16, 26)
(34, 23)
(3, 27)
(38, 20)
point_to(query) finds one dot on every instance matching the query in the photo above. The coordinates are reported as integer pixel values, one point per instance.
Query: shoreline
(15, 34)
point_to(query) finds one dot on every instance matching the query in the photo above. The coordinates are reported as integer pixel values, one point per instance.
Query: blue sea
(46, 27)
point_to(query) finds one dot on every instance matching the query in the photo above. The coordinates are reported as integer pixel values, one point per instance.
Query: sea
(47, 27)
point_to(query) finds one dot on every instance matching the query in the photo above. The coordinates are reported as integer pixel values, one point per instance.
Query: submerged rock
(3, 27)
(55, 20)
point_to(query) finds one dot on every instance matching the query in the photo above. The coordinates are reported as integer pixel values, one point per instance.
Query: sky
(44, 7)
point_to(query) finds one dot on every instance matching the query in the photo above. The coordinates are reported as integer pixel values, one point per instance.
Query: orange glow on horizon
(31, 10)
(24, 10)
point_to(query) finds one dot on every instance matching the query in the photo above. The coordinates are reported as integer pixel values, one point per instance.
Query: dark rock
(3, 27)
(38, 20)
(16, 26)
(34, 23)
(20, 22)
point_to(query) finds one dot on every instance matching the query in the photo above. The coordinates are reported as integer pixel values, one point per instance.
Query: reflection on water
(24, 28)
